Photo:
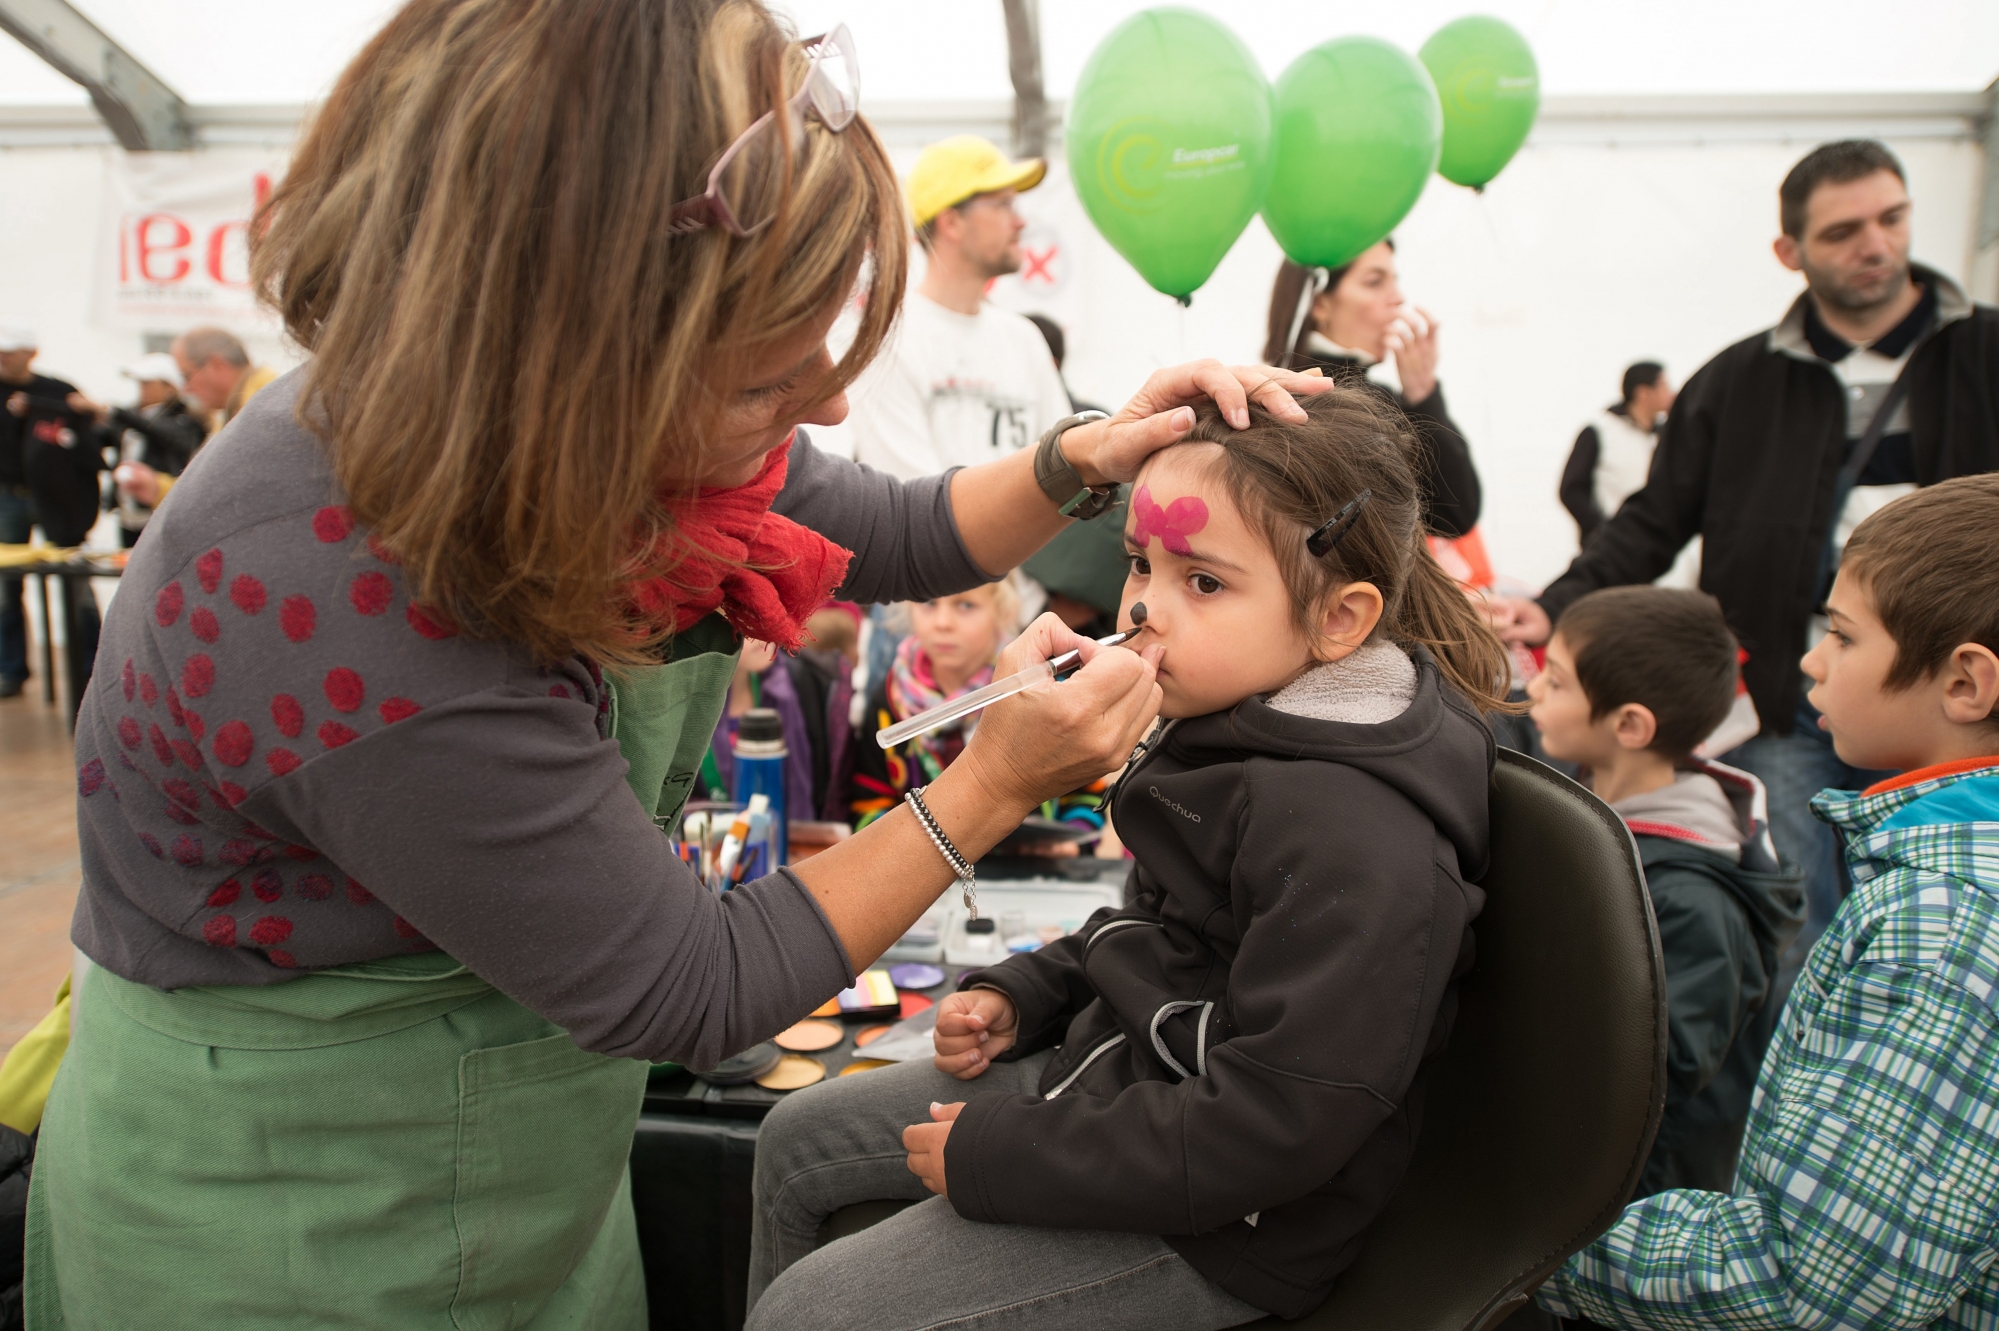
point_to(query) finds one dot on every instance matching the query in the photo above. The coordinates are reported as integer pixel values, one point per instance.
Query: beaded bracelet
(968, 878)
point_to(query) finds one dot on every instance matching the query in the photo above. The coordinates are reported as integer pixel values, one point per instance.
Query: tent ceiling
(289, 51)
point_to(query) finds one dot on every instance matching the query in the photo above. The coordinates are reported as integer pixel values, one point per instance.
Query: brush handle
(944, 713)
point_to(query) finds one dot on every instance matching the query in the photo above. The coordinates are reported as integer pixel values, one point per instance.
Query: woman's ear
(1350, 616)
(1323, 306)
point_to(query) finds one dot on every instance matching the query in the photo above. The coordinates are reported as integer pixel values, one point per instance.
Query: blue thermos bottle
(760, 759)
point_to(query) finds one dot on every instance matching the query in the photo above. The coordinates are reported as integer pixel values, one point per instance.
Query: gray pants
(841, 1142)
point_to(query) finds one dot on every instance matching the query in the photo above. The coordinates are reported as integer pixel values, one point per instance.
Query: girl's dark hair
(1288, 478)
(1285, 293)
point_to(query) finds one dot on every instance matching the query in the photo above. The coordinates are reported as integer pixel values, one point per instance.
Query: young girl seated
(1187, 1113)
(950, 650)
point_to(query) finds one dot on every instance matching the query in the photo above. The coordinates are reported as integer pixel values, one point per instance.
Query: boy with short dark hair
(1636, 678)
(1865, 1192)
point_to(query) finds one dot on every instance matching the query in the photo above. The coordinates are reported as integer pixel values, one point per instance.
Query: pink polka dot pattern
(167, 605)
(185, 817)
(90, 778)
(152, 845)
(238, 852)
(314, 886)
(208, 569)
(128, 680)
(204, 623)
(247, 594)
(301, 853)
(421, 620)
(393, 710)
(197, 676)
(281, 761)
(149, 692)
(332, 523)
(187, 850)
(270, 929)
(174, 712)
(187, 753)
(406, 929)
(344, 689)
(225, 894)
(161, 749)
(233, 743)
(332, 734)
(380, 551)
(220, 931)
(358, 894)
(268, 884)
(233, 794)
(297, 617)
(282, 958)
(181, 792)
(287, 715)
(129, 733)
(558, 691)
(195, 725)
(371, 592)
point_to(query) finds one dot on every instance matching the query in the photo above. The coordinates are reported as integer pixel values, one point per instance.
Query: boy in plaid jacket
(1868, 1189)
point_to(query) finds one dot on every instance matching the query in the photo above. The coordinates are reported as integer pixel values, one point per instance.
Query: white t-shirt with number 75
(954, 390)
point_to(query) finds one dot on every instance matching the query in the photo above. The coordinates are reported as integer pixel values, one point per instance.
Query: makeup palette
(809, 1036)
(793, 1072)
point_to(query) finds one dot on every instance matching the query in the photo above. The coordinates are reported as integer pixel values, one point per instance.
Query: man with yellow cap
(963, 381)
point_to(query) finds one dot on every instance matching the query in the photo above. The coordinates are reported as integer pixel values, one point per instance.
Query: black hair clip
(1337, 526)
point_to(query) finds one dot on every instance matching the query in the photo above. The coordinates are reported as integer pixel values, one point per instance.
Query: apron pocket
(544, 1131)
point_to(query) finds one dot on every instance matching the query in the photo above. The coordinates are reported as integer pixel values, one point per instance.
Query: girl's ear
(1350, 617)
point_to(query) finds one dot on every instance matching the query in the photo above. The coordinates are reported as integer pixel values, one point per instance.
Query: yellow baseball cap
(951, 172)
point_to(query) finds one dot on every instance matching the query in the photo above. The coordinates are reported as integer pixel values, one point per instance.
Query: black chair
(1540, 1112)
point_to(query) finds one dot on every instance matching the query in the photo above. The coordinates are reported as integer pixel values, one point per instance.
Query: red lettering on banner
(148, 247)
(218, 239)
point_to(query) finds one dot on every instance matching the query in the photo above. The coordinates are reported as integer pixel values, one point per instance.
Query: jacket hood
(1952, 304)
(1437, 753)
(1769, 889)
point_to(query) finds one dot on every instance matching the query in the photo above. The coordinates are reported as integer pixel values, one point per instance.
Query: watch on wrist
(1060, 481)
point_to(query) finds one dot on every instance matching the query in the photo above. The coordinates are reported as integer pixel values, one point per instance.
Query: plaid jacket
(1868, 1191)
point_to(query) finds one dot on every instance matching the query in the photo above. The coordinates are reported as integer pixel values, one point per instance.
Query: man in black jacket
(1882, 377)
(49, 462)
(160, 433)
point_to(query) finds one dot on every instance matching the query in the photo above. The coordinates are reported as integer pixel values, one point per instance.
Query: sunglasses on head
(743, 189)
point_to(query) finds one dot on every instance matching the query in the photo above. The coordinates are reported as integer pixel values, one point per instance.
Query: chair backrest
(1540, 1112)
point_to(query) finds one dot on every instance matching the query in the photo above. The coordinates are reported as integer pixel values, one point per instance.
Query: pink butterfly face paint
(1172, 524)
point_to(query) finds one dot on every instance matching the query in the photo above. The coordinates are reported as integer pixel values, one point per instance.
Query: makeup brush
(944, 713)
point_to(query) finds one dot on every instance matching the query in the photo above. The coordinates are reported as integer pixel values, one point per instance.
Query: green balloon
(1169, 144)
(1491, 91)
(1356, 140)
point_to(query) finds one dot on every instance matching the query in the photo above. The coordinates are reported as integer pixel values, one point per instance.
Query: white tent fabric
(260, 51)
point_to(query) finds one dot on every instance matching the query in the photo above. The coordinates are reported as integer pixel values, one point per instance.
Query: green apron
(389, 1145)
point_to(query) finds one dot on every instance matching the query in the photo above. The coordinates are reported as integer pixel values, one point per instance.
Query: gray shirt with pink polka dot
(285, 764)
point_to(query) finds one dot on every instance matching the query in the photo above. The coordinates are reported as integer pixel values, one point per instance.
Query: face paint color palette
(916, 975)
(793, 1072)
(867, 1035)
(808, 1036)
(864, 1065)
(915, 1003)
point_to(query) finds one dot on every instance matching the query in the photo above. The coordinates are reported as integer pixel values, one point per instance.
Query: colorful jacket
(1870, 1168)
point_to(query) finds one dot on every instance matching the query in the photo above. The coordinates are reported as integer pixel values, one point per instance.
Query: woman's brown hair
(1288, 478)
(514, 361)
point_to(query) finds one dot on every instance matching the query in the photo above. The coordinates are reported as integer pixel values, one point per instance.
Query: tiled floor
(38, 862)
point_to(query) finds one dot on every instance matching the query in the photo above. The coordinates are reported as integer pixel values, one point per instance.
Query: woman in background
(1344, 321)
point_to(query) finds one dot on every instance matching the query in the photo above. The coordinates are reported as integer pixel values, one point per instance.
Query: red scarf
(764, 572)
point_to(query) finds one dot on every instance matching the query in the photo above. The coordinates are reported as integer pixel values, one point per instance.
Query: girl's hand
(1160, 414)
(973, 1027)
(925, 1144)
(1050, 740)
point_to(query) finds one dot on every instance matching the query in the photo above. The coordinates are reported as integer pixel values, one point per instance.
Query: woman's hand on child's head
(1161, 413)
(925, 1144)
(973, 1027)
(1051, 740)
